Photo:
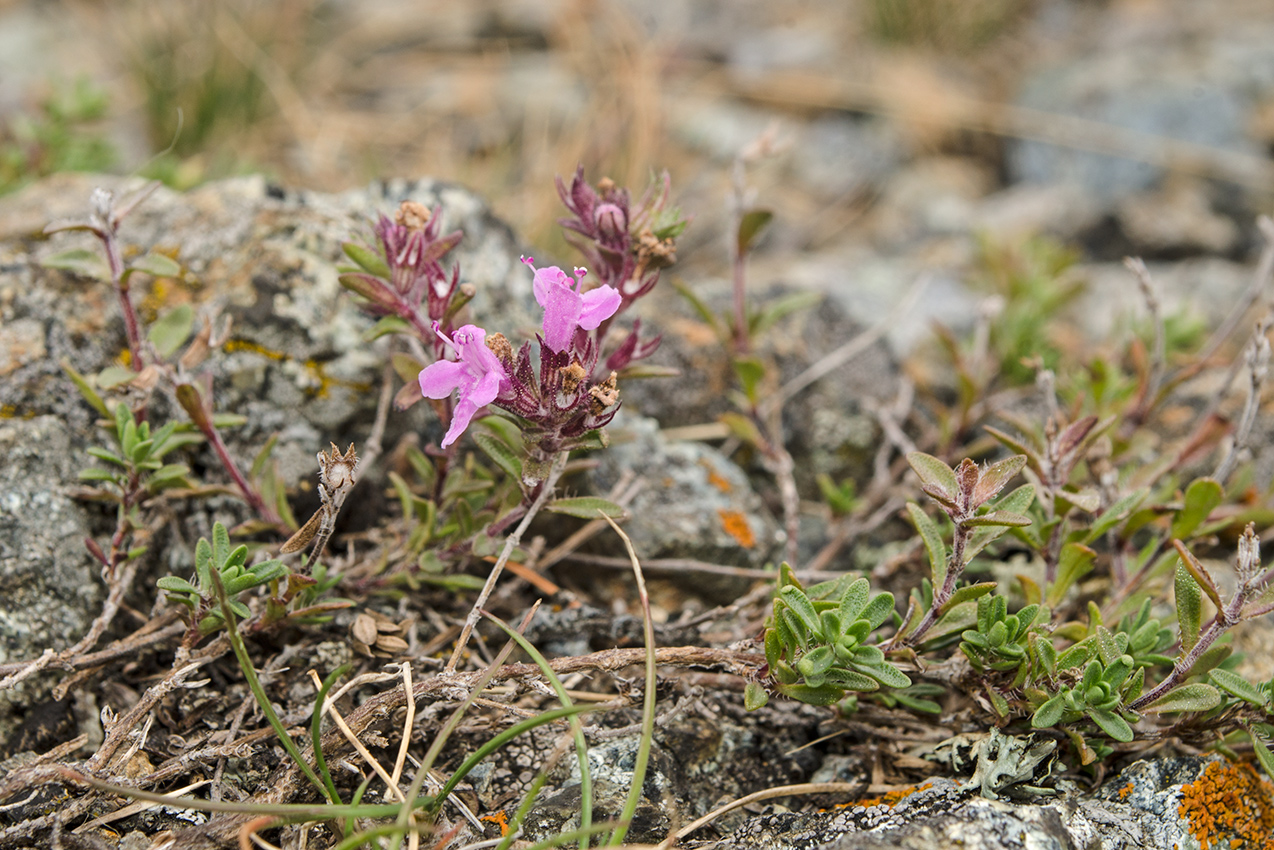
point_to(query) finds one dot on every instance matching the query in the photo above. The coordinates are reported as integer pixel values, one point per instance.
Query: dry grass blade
(767, 794)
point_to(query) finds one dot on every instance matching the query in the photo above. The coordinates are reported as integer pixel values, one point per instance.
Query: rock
(727, 525)
(51, 590)
(1179, 802)
(1199, 83)
(1176, 221)
(296, 362)
(840, 157)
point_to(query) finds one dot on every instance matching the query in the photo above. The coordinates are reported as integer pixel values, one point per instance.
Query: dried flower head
(412, 215)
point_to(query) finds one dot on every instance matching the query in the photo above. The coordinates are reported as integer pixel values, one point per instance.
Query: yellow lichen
(1126, 790)
(313, 367)
(1229, 804)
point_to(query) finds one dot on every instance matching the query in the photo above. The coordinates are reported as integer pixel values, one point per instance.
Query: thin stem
(131, 325)
(250, 494)
(510, 544)
(955, 566)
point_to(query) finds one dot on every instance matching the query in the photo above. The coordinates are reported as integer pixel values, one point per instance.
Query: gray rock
(297, 363)
(1195, 84)
(1153, 803)
(696, 502)
(51, 592)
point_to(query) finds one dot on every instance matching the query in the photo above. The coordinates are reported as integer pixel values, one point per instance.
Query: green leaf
(779, 309)
(999, 518)
(1049, 714)
(1202, 497)
(800, 606)
(968, 593)
(825, 695)
(852, 602)
(751, 225)
(1076, 656)
(992, 479)
(171, 330)
(203, 564)
(750, 371)
(888, 675)
(1237, 686)
(1107, 650)
(114, 376)
(1189, 601)
(1199, 573)
(1114, 514)
(1112, 724)
(79, 261)
(220, 545)
(754, 696)
(700, 307)
(1074, 562)
(879, 609)
(936, 477)
(368, 260)
(386, 325)
(94, 473)
(1263, 754)
(504, 457)
(932, 539)
(175, 584)
(109, 457)
(86, 389)
(1193, 697)
(155, 265)
(587, 507)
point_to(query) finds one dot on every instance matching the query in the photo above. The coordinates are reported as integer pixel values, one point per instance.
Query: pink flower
(477, 373)
(565, 308)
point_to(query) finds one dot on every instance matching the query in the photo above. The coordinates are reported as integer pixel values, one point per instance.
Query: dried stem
(1258, 361)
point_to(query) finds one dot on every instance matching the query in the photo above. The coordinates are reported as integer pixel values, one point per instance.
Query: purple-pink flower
(565, 308)
(477, 374)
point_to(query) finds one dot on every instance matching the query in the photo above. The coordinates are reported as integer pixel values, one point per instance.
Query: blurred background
(872, 128)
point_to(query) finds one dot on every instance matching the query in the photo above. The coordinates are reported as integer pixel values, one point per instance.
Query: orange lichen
(716, 479)
(736, 525)
(1229, 804)
(500, 819)
(889, 799)
(1126, 790)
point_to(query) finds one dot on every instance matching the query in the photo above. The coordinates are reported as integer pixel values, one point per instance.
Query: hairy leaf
(1193, 697)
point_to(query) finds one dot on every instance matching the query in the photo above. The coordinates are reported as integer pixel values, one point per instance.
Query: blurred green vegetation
(65, 135)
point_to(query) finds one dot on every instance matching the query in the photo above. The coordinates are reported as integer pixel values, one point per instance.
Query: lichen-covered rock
(296, 361)
(696, 503)
(1173, 802)
(49, 588)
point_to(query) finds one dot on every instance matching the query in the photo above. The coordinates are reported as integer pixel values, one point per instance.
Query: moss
(1229, 805)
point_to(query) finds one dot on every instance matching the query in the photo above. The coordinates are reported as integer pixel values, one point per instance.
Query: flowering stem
(250, 493)
(1219, 626)
(131, 326)
(510, 544)
(941, 595)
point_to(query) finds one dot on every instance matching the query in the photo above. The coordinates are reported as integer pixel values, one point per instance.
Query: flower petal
(485, 390)
(439, 380)
(598, 305)
(459, 420)
(562, 307)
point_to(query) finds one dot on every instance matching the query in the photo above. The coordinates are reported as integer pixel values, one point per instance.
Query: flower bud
(612, 223)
